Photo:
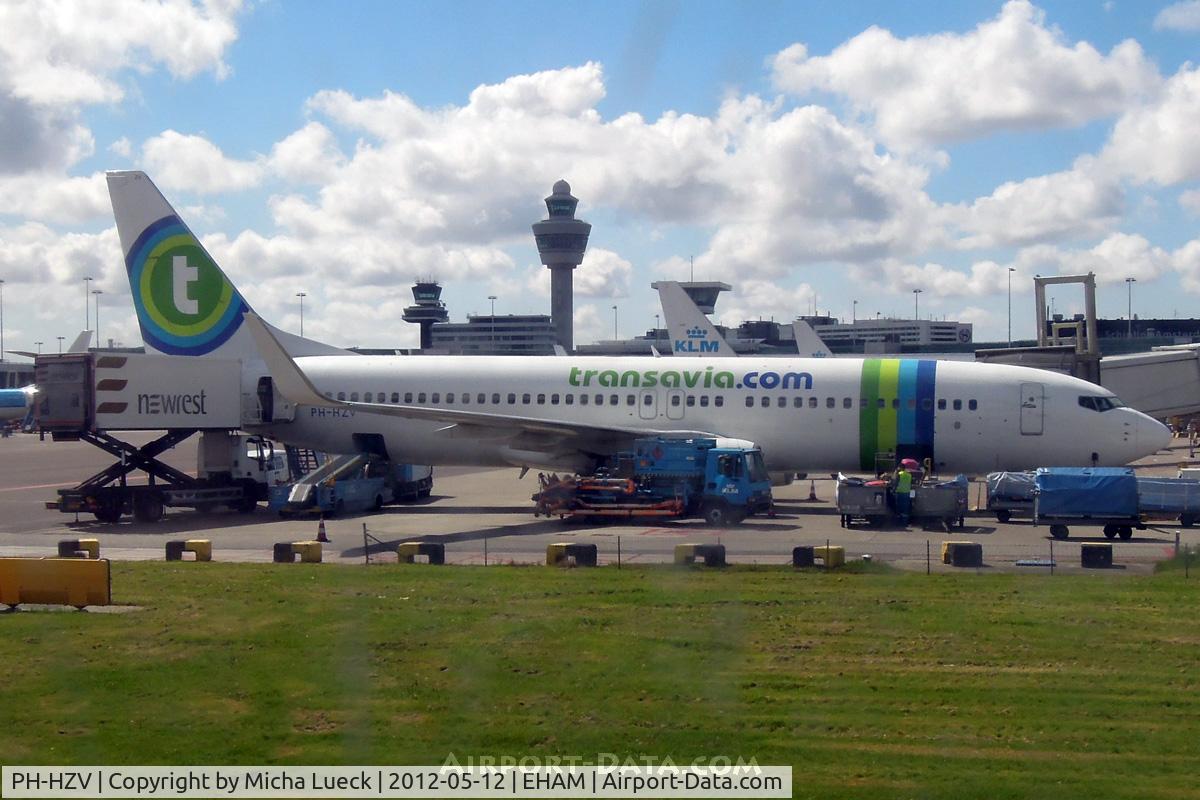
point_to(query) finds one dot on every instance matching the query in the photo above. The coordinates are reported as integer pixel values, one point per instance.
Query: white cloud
(193, 163)
(755, 299)
(1081, 201)
(310, 155)
(69, 52)
(603, 273)
(49, 197)
(1183, 17)
(122, 147)
(1157, 140)
(1012, 72)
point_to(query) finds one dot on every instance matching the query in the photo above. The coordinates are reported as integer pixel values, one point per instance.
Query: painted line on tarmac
(36, 486)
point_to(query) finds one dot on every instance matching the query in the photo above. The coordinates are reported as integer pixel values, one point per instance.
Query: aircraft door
(648, 404)
(1033, 400)
(675, 404)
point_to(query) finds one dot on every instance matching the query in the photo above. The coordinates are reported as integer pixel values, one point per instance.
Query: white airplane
(562, 412)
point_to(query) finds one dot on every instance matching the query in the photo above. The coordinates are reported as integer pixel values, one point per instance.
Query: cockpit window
(1099, 403)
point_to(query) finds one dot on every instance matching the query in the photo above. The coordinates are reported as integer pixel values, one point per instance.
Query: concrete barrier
(435, 552)
(79, 548)
(571, 554)
(962, 554)
(72, 581)
(201, 548)
(713, 555)
(1096, 555)
(803, 556)
(286, 552)
(831, 556)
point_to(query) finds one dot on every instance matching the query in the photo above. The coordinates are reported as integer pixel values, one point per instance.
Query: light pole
(1, 319)
(1129, 283)
(492, 300)
(656, 325)
(853, 311)
(614, 323)
(39, 347)
(917, 303)
(97, 293)
(87, 290)
(1011, 270)
(302, 295)
(60, 340)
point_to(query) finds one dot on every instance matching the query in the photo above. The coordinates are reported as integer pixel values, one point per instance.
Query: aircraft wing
(526, 432)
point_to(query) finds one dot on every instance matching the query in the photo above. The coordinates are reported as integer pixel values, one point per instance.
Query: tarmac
(485, 516)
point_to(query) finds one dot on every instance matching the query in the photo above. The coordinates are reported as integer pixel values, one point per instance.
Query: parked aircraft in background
(15, 403)
(807, 414)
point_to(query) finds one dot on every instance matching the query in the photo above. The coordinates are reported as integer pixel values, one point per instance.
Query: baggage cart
(945, 502)
(1106, 496)
(858, 501)
(1010, 494)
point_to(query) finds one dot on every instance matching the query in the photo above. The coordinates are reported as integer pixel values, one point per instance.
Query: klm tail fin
(691, 332)
(185, 304)
(80, 345)
(808, 344)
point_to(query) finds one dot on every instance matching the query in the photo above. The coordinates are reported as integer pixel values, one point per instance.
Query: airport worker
(903, 492)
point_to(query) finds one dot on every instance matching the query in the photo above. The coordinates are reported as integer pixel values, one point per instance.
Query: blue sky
(836, 151)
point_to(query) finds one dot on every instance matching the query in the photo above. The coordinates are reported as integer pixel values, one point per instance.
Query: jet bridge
(1162, 383)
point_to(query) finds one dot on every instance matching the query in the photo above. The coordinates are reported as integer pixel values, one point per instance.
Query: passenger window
(421, 397)
(675, 400)
(765, 402)
(958, 405)
(830, 402)
(927, 404)
(495, 398)
(554, 399)
(366, 397)
(691, 401)
(512, 398)
(599, 399)
(526, 398)
(436, 397)
(781, 402)
(647, 399)
(749, 401)
(797, 402)
(812, 402)
(895, 402)
(911, 403)
(847, 402)
(942, 404)
(408, 397)
(972, 405)
(719, 400)
(583, 399)
(880, 402)
(341, 395)
(450, 398)
(630, 400)
(395, 398)
(541, 400)
(329, 395)
(353, 397)
(569, 399)
(481, 398)
(466, 398)
(704, 401)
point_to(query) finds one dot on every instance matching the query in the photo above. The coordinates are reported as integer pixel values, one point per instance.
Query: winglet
(287, 377)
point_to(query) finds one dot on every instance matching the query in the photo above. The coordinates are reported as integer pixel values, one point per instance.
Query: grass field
(885, 684)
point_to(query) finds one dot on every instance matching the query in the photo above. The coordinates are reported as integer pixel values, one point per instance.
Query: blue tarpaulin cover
(1086, 492)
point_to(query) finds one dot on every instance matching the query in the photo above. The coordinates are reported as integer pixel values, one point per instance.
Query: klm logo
(696, 342)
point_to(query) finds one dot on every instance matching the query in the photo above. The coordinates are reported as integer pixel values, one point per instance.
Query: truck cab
(736, 485)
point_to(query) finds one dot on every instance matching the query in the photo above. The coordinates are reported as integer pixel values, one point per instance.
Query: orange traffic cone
(321, 537)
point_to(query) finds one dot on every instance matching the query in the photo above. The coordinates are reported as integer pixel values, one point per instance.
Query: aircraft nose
(1152, 435)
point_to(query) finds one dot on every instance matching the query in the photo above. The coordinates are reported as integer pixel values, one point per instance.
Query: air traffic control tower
(428, 309)
(561, 241)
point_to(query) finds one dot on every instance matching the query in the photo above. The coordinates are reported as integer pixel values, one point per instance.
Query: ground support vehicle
(1010, 494)
(350, 484)
(1169, 499)
(859, 500)
(90, 396)
(664, 478)
(1106, 496)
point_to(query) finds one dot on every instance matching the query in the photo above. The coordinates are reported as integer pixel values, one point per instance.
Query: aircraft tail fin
(692, 333)
(185, 304)
(808, 344)
(80, 345)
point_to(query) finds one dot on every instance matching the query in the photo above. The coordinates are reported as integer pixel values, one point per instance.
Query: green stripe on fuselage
(868, 414)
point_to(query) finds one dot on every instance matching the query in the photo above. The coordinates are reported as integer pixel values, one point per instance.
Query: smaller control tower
(561, 242)
(428, 309)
